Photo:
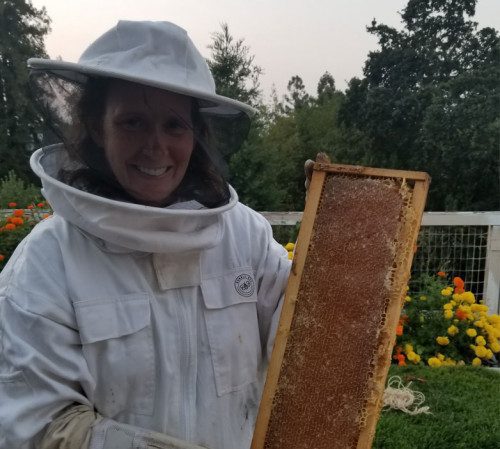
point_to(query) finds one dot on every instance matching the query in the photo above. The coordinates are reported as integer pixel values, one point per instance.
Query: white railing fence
(465, 244)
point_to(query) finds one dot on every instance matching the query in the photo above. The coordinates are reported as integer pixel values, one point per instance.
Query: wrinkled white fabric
(88, 317)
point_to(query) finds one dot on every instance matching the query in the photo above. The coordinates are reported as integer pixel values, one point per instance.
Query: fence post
(492, 278)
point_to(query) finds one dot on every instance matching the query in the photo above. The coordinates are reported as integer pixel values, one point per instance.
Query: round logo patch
(244, 285)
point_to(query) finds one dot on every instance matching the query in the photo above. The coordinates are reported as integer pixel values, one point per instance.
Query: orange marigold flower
(461, 315)
(30, 206)
(18, 213)
(10, 226)
(459, 290)
(2, 257)
(441, 274)
(401, 360)
(40, 205)
(12, 205)
(17, 221)
(458, 282)
(399, 330)
(8, 219)
(45, 216)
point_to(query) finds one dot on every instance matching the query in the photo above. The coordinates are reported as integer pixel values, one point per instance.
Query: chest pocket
(233, 329)
(117, 342)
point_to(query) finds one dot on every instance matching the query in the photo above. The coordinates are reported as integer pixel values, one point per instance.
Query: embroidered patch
(244, 285)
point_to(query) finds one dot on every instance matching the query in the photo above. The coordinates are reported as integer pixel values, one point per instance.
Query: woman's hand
(80, 427)
(309, 166)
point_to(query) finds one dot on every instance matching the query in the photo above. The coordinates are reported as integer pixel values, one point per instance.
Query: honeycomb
(350, 293)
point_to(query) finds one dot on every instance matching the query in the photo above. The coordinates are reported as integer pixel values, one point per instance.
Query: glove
(309, 166)
(80, 427)
(71, 429)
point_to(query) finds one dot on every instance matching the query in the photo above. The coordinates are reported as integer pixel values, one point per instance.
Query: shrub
(445, 325)
(13, 190)
(16, 226)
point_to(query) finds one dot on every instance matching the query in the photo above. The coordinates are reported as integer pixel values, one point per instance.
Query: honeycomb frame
(360, 225)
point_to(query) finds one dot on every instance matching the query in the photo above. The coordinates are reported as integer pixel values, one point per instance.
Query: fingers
(308, 170)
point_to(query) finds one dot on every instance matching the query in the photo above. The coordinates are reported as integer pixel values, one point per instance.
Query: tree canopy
(22, 32)
(430, 100)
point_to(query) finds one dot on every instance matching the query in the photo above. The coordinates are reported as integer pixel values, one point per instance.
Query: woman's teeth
(152, 171)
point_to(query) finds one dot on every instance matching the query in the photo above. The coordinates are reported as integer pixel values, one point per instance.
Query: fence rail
(464, 243)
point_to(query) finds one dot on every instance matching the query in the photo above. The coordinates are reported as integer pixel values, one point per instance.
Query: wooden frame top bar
(369, 171)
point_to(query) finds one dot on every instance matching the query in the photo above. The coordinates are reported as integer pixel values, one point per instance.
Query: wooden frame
(417, 183)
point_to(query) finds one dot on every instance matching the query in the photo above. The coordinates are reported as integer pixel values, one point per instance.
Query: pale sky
(287, 37)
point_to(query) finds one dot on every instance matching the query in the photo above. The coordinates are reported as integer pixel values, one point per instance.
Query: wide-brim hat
(155, 54)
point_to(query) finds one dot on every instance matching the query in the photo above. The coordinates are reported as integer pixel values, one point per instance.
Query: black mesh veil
(71, 101)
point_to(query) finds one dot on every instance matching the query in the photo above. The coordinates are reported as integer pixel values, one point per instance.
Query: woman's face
(148, 139)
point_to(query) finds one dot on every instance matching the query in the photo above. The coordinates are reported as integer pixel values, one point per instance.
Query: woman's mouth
(152, 171)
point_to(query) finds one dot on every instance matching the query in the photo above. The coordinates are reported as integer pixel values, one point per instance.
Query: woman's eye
(176, 127)
(132, 124)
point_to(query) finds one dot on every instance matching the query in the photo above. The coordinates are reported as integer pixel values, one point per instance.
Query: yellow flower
(440, 356)
(480, 341)
(457, 297)
(495, 346)
(448, 314)
(480, 351)
(290, 246)
(290, 255)
(434, 362)
(471, 332)
(479, 323)
(483, 308)
(489, 354)
(453, 330)
(413, 357)
(468, 297)
(445, 292)
(407, 298)
(476, 361)
(447, 306)
(465, 309)
(408, 348)
(423, 298)
(443, 341)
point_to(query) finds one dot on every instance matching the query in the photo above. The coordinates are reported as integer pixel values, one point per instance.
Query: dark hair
(202, 181)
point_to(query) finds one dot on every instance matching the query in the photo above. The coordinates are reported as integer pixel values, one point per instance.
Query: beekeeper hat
(156, 54)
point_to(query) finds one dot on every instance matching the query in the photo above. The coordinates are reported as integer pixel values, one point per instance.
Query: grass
(465, 406)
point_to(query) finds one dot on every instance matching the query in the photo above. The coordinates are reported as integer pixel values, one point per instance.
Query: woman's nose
(158, 141)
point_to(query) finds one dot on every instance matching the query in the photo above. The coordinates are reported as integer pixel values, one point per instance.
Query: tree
(429, 101)
(22, 30)
(233, 68)
(326, 87)
(297, 96)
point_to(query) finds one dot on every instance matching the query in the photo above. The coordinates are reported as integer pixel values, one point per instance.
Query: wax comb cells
(332, 352)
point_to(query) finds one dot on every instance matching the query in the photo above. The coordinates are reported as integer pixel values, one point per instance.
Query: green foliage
(14, 189)
(22, 30)
(233, 68)
(464, 406)
(269, 172)
(15, 227)
(439, 325)
(429, 101)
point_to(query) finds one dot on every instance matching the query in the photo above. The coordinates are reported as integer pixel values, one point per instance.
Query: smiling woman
(148, 138)
(157, 292)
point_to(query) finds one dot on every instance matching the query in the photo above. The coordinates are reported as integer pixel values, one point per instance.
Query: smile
(152, 171)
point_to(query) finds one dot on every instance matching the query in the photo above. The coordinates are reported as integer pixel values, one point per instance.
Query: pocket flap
(102, 319)
(235, 287)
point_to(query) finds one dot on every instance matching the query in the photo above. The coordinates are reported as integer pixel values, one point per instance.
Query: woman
(143, 312)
